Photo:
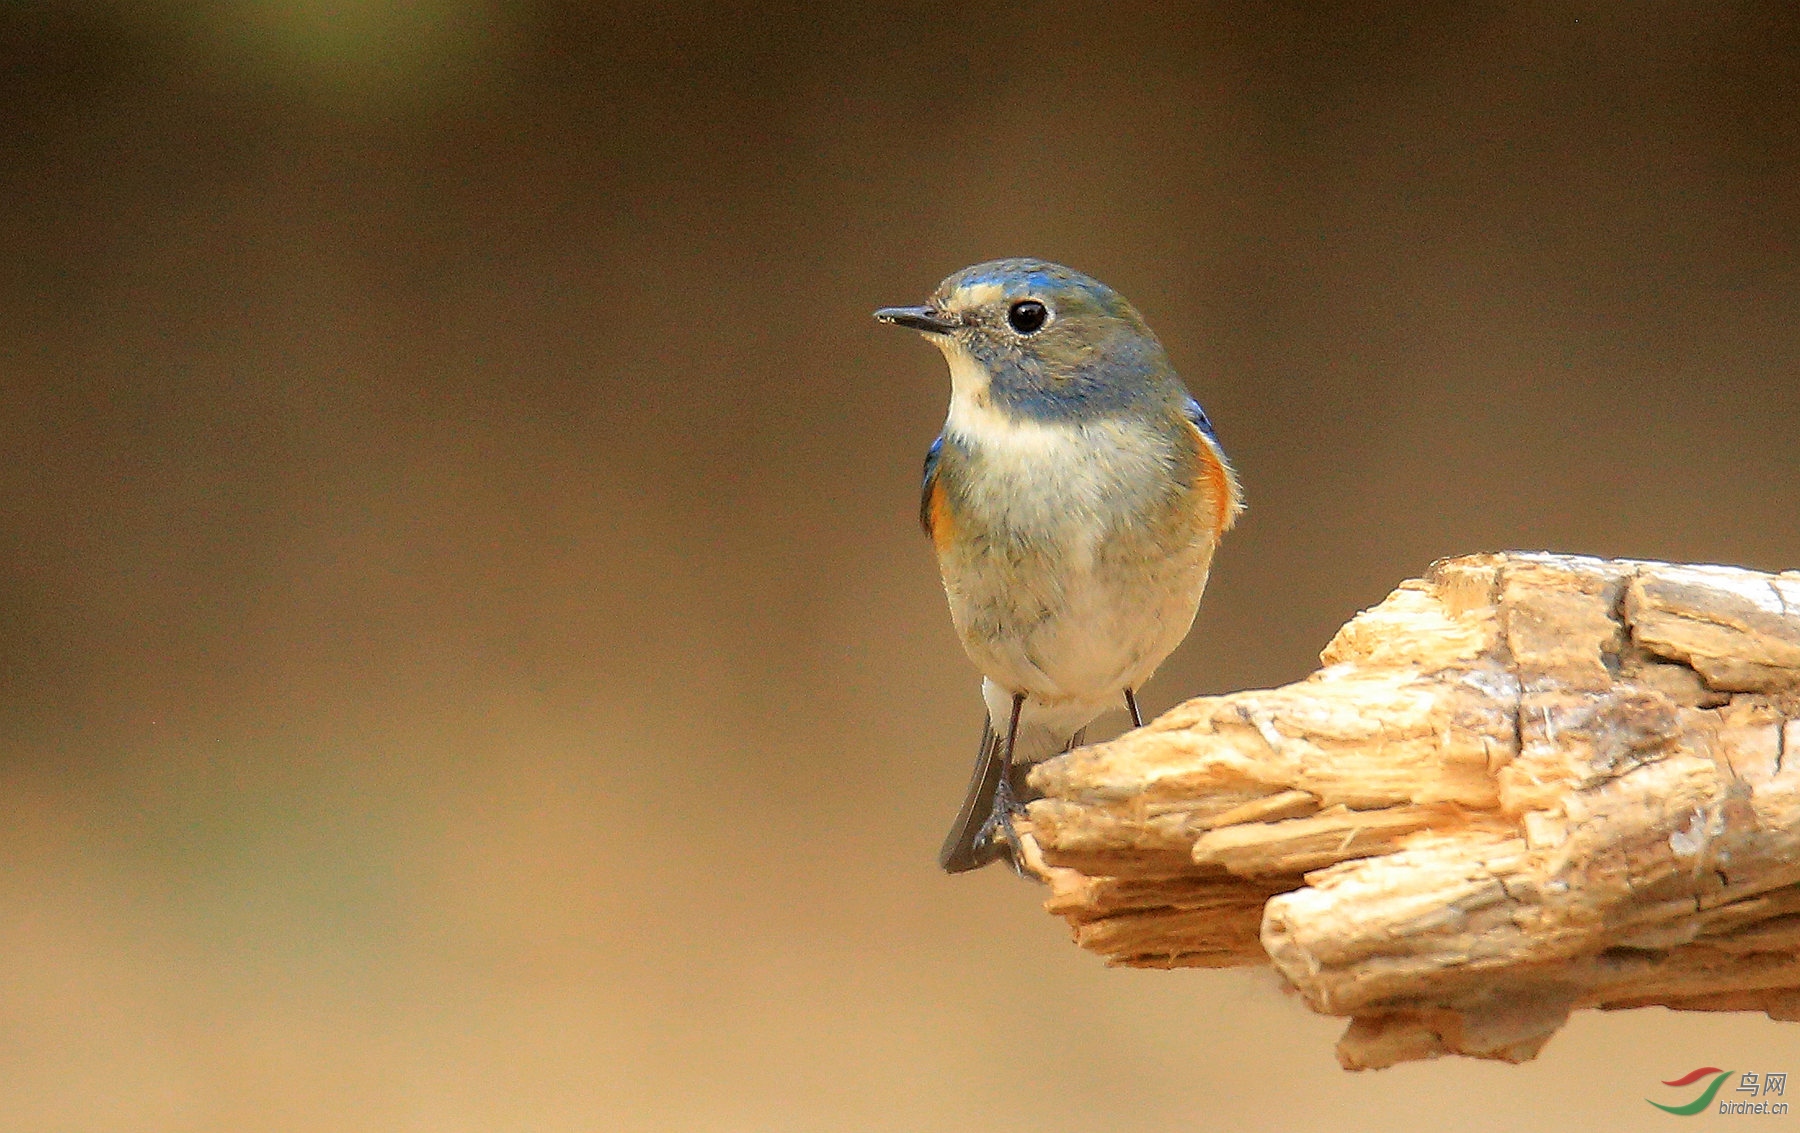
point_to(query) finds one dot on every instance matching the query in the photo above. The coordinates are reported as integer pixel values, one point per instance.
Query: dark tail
(964, 848)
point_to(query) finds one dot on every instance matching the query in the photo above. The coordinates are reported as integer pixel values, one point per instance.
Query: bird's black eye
(1027, 315)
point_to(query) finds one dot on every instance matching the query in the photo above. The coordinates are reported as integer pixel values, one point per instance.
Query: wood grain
(1522, 785)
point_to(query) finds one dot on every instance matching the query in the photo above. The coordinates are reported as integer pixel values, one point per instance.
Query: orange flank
(942, 527)
(1221, 484)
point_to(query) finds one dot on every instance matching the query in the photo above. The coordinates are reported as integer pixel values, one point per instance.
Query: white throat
(974, 417)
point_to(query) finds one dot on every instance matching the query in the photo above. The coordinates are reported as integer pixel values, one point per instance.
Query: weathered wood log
(1522, 785)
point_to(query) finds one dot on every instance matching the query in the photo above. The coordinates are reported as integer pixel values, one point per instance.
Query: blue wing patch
(1198, 416)
(930, 482)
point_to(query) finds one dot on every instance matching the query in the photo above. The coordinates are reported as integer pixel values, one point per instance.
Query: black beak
(918, 318)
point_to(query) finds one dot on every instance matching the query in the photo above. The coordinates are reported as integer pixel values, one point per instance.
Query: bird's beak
(918, 318)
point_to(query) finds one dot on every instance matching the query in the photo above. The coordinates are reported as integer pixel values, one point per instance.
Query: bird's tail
(964, 847)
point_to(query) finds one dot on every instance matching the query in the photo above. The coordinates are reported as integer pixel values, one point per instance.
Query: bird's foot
(998, 838)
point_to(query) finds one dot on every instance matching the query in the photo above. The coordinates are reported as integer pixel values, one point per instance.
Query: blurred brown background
(468, 658)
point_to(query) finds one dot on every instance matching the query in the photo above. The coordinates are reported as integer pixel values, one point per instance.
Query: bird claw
(998, 838)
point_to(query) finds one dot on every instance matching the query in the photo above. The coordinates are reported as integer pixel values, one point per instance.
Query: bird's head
(1035, 339)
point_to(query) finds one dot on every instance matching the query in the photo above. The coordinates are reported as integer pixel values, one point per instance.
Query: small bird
(1074, 497)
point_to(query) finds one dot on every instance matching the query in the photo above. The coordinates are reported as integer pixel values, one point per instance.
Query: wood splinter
(1522, 785)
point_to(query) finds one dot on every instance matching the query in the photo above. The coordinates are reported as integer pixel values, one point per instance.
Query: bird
(1074, 499)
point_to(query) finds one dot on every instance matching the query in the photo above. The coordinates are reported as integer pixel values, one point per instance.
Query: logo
(1749, 1082)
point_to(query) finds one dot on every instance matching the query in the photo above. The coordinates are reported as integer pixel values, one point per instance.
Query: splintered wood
(1522, 785)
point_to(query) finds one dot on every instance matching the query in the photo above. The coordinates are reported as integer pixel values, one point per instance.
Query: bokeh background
(468, 660)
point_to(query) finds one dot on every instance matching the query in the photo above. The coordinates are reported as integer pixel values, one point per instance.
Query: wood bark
(1522, 785)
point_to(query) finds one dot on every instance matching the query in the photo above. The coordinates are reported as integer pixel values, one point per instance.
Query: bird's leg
(1137, 718)
(997, 835)
(996, 797)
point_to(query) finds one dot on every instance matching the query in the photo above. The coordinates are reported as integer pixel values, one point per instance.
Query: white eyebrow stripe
(976, 295)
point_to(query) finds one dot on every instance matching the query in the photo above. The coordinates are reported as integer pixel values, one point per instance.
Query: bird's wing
(1197, 415)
